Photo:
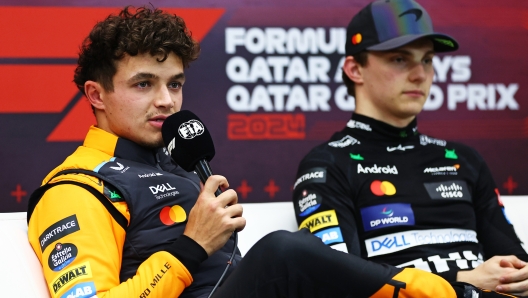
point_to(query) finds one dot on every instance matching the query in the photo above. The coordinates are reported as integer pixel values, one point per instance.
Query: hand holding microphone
(190, 145)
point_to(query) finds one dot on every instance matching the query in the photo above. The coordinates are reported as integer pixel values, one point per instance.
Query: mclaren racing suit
(399, 197)
(110, 220)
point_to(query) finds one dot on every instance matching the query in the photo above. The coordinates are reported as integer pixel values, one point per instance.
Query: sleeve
(493, 229)
(80, 245)
(322, 199)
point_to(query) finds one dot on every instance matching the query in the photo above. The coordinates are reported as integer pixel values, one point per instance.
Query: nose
(419, 73)
(164, 99)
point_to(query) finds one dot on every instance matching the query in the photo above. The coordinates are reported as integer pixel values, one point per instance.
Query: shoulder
(83, 158)
(451, 149)
(331, 150)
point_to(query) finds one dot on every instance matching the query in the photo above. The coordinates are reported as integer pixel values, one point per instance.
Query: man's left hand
(515, 283)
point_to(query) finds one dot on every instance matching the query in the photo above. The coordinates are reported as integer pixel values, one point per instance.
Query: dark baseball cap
(388, 24)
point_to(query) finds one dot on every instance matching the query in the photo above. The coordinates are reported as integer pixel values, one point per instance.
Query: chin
(412, 110)
(153, 144)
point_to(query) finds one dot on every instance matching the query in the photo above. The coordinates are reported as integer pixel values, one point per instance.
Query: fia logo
(190, 129)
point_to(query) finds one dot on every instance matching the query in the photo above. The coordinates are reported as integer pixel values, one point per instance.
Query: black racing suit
(399, 197)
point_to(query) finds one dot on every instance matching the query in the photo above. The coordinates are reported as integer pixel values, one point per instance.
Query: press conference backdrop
(267, 84)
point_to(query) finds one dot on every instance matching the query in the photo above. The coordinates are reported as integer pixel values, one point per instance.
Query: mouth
(414, 93)
(157, 121)
(159, 118)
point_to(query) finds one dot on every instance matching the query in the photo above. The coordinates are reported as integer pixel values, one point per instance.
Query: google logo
(172, 215)
(381, 188)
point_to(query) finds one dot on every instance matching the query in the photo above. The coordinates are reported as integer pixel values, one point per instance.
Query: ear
(94, 93)
(353, 70)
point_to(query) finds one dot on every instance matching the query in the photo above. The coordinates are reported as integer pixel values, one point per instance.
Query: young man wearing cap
(398, 196)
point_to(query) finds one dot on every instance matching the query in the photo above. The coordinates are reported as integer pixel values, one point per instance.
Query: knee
(284, 245)
(275, 240)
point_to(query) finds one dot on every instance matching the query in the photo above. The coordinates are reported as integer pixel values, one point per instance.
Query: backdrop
(267, 85)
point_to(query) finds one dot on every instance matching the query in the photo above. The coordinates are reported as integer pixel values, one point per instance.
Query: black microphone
(189, 143)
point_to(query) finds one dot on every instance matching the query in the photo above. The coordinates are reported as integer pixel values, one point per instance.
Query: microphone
(189, 143)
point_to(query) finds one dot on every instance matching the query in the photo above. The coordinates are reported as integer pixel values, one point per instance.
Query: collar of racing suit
(372, 128)
(119, 147)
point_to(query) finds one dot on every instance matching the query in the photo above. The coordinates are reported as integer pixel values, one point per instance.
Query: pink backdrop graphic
(267, 85)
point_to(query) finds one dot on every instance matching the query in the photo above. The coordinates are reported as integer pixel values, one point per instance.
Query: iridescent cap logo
(446, 42)
(415, 11)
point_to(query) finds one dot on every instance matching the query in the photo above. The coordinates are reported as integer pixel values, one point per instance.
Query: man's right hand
(212, 220)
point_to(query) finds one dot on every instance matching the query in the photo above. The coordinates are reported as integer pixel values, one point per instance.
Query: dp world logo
(386, 212)
(191, 129)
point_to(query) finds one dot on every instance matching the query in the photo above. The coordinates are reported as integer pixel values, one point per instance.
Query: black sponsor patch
(62, 256)
(112, 193)
(448, 190)
(58, 230)
(308, 202)
(313, 175)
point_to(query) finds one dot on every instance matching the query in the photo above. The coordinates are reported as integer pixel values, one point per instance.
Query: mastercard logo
(172, 215)
(357, 38)
(381, 188)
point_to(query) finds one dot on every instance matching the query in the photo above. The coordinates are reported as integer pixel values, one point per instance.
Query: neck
(369, 109)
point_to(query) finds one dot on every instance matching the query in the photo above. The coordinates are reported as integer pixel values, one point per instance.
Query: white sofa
(21, 274)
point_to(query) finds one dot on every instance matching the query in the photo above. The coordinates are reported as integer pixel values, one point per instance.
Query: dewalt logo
(320, 220)
(80, 272)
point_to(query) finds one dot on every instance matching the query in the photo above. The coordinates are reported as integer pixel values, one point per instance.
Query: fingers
(235, 213)
(213, 219)
(519, 264)
(234, 210)
(215, 181)
(518, 288)
(516, 276)
(506, 264)
(228, 197)
(511, 262)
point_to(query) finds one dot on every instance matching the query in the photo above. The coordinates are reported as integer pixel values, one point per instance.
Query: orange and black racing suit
(109, 220)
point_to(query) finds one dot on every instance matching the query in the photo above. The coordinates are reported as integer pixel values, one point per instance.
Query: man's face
(145, 93)
(396, 83)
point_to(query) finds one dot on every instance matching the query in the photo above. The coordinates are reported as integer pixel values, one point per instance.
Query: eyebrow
(180, 76)
(146, 75)
(405, 52)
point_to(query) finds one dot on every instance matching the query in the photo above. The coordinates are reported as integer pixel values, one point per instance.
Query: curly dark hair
(133, 31)
(361, 58)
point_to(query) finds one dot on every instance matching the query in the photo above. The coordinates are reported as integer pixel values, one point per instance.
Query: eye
(428, 61)
(175, 85)
(398, 59)
(142, 85)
